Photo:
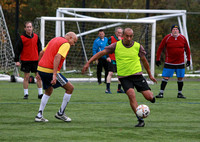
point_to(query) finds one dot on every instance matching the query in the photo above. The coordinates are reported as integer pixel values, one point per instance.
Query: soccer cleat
(181, 96)
(63, 117)
(160, 95)
(120, 91)
(26, 96)
(40, 119)
(40, 96)
(153, 100)
(140, 124)
(108, 92)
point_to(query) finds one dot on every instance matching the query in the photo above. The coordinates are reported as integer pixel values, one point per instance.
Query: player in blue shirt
(99, 45)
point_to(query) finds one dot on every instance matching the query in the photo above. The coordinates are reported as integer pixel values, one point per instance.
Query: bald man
(51, 59)
(128, 54)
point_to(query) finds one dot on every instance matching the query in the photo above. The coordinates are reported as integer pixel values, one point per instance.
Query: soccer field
(97, 116)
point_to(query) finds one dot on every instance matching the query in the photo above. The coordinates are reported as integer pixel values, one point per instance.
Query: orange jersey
(57, 45)
(113, 39)
(30, 48)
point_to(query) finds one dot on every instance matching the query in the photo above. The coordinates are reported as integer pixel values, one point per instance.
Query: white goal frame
(164, 14)
(59, 19)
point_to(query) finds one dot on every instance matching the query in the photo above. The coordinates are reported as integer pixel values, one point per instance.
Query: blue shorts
(169, 72)
(47, 78)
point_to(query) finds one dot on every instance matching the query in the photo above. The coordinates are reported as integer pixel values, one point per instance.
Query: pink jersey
(174, 49)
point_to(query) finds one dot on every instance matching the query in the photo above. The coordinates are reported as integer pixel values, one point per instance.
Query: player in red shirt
(112, 67)
(175, 44)
(27, 51)
(51, 59)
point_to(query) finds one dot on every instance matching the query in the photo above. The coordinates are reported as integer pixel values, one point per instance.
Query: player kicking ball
(128, 54)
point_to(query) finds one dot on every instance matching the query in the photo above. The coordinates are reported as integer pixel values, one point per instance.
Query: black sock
(119, 86)
(153, 100)
(180, 85)
(108, 86)
(163, 84)
(140, 119)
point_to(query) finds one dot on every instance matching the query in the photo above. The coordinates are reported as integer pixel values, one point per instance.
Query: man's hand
(85, 68)
(53, 81)
(108, 59)
(17, 64)
(37, 76)
(188, 64)
(153, 79)
(158, 63)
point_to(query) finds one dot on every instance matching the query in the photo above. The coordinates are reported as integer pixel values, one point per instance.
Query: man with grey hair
(112, 62)
(51, 59)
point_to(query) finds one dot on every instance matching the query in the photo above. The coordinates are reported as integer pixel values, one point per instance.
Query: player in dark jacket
(27, 52)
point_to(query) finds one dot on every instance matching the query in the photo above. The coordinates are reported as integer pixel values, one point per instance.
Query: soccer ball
(142, 111)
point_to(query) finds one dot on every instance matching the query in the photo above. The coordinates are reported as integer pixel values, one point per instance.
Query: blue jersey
(99, 45)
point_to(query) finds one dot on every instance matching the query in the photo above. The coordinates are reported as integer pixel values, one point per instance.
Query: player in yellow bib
(128, 54)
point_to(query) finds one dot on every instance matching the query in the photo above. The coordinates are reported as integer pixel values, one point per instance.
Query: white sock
(25, 91)
(43, 103)
(40, 91)
(66, 99)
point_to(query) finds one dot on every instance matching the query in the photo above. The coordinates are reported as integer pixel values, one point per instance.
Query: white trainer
(40, 119)
(63, 117)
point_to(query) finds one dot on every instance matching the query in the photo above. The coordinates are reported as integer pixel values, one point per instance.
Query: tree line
(31, 9)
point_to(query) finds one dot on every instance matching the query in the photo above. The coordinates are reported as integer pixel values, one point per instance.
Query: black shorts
(29, 66)
(137, 81)
(112, 67)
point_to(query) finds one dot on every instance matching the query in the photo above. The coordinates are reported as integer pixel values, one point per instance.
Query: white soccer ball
(142, 111)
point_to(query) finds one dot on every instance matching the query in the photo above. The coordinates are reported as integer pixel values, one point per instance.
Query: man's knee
(131, 93)
(110, 73)
(69, 88)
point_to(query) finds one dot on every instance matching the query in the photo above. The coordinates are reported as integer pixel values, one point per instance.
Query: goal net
(86, 23)
(87, 31)
(6, 50)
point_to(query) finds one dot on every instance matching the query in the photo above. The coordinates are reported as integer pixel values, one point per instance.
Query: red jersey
(30, 48)
(47, 60)
(174, 49)
(113, 39)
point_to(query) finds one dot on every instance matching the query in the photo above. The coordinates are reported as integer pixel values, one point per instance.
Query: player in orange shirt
(51, 59)
(27, 52)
